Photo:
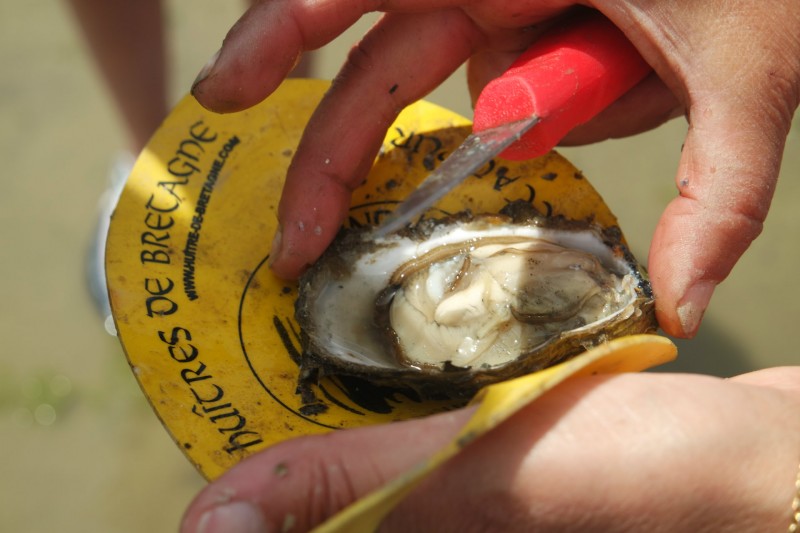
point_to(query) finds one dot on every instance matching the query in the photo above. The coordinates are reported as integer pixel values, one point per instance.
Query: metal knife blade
(476, 150)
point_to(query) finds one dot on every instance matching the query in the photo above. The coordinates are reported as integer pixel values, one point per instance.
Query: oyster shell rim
(454, 382)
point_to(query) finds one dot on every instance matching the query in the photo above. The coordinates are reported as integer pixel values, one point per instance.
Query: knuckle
(330, 489)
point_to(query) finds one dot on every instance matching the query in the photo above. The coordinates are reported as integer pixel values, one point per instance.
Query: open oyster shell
(455, 304)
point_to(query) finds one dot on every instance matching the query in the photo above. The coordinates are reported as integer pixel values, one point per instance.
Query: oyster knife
(472, 154)
(568, 76)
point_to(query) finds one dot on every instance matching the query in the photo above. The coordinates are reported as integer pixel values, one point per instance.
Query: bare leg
(126, 38)
(127, 41)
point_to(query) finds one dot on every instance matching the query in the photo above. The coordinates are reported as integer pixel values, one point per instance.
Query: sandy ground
(80, 449)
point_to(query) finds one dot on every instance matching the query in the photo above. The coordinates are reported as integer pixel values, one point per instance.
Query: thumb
(726, 180)
(300, 483)
(739, 113)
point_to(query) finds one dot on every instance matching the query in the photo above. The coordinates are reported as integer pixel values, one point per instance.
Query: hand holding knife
(564, 79)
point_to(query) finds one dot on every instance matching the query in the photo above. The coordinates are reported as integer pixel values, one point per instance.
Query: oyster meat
(455, 304)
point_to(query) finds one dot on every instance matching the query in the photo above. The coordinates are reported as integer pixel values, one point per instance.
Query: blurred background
(80, 449)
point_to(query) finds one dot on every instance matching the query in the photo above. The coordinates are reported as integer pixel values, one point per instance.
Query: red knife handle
(565, 78)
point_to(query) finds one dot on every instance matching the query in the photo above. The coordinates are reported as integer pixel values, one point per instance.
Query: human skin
(634, 452)
(127, 42)
(732, 67)
(624, 453)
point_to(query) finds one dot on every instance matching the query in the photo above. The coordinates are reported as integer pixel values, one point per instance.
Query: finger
(392, 67)
(298, 484)
(266, 42)
(646, 106)
(263, 46)
(725, 186)
(726, 179)
(740, 103)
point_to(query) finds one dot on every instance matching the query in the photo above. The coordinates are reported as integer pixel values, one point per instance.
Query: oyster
(454, 304)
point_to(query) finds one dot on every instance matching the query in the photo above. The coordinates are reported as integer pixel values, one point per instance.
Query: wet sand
(81, 449)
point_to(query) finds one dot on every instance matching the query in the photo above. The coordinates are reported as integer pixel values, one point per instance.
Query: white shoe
(95, 260)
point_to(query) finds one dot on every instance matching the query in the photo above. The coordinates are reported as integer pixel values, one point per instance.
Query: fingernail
(241, 517)
(207, 68)
(277, 243)
(693, 306)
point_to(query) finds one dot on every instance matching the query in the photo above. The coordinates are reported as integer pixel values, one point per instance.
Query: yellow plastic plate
(208, 330)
